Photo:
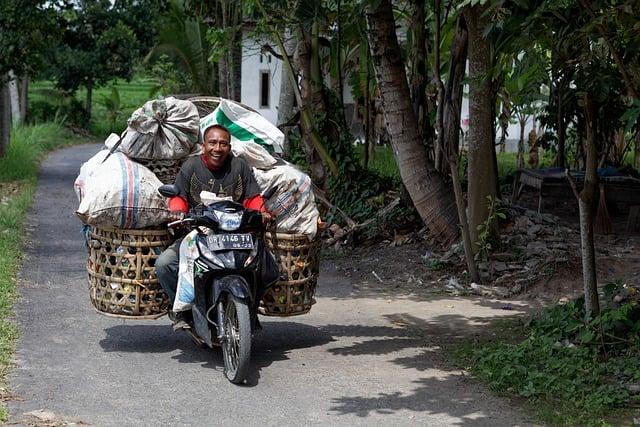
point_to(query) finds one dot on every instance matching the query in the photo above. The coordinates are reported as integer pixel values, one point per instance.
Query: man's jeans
(167, 266)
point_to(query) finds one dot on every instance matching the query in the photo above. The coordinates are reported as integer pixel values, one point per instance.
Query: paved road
(356, 359)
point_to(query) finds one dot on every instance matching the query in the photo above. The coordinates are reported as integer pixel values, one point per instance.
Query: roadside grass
(18, 173)
(570, 371)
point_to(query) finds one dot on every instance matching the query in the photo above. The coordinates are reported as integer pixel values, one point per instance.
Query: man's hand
(176, 215)
(267, 217)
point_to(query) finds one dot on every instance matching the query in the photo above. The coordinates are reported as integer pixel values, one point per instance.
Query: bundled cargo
(163, 129)
(245, 125)
(293, 204)
(118, 192)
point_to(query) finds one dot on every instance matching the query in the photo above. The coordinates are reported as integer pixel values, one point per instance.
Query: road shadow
(271, 344)
(448, 392)
(451, 396)
(278, 339)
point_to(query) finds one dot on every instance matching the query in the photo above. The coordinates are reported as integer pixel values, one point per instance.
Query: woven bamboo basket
(206, 104)
(165, 170)
(299, 262)
(122, 279)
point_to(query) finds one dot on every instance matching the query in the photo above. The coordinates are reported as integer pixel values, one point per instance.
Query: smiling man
(218, 171)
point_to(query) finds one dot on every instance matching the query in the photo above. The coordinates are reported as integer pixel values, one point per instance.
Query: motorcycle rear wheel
(236, 348)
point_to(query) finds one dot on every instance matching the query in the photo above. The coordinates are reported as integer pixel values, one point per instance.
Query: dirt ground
(396, 267)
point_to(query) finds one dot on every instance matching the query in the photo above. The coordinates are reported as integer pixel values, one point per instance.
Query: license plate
(219, 242)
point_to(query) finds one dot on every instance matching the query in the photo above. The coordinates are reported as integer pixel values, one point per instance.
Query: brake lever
(180, 222)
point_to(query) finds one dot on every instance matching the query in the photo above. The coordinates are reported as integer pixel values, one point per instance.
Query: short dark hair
(216, 126)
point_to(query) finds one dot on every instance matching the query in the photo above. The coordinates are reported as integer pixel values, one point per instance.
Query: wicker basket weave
(206, 104)
(299, 262)
(122, 279)
(165, 170)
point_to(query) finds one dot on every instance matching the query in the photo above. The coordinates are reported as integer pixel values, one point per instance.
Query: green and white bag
(244, 126)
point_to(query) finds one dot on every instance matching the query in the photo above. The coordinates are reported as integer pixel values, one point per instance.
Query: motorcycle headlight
(229, 221)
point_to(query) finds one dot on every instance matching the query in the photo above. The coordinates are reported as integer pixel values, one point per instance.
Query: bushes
(579, 368)
(69, 111)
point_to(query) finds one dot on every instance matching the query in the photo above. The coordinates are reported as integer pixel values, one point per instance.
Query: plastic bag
(163, 129)
(185, 292)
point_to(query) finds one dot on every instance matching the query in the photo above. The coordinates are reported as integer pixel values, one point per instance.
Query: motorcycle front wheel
(236, 348)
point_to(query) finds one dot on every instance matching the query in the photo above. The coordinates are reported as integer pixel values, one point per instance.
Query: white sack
(245, 125)
(293, 204)
(255, 155)
(163, 129)
(86, 170)
(123, 194)
(90, 165)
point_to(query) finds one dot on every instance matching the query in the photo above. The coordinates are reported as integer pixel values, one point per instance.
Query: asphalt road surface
(356, 359)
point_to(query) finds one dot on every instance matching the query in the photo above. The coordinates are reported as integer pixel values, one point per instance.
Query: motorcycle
(231, 273)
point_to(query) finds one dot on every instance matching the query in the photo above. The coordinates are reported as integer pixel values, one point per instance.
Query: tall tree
(25, 30)
(96, 47)
(481, 169)
(431, 196)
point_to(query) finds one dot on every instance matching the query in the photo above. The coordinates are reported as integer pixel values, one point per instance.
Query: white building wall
(253, 64)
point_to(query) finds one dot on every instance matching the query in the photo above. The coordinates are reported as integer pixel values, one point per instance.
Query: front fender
(235, 285)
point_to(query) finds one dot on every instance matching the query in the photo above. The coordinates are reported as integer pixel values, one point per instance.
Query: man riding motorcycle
(218, 171)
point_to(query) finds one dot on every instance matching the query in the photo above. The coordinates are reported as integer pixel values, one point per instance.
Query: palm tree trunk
(310, 102)
(433, 199)
(481, 167)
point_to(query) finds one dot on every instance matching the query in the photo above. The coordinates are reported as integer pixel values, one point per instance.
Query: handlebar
(180, 222)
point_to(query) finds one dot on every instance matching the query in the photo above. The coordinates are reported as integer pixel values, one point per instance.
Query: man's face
(216, 147)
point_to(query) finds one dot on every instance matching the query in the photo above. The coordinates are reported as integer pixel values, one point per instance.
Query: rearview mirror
(168, 190)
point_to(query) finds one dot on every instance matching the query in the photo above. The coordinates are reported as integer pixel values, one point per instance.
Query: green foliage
(113, 107)
(296, 153)
(182, 37)
(578, 367)
(26, 30)
(65, 110)
(96, 46)
(486, 236)
(28, 146)
(170, 79)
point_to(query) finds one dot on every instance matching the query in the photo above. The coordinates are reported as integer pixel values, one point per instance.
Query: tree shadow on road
(418, 343)
(278, 339)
